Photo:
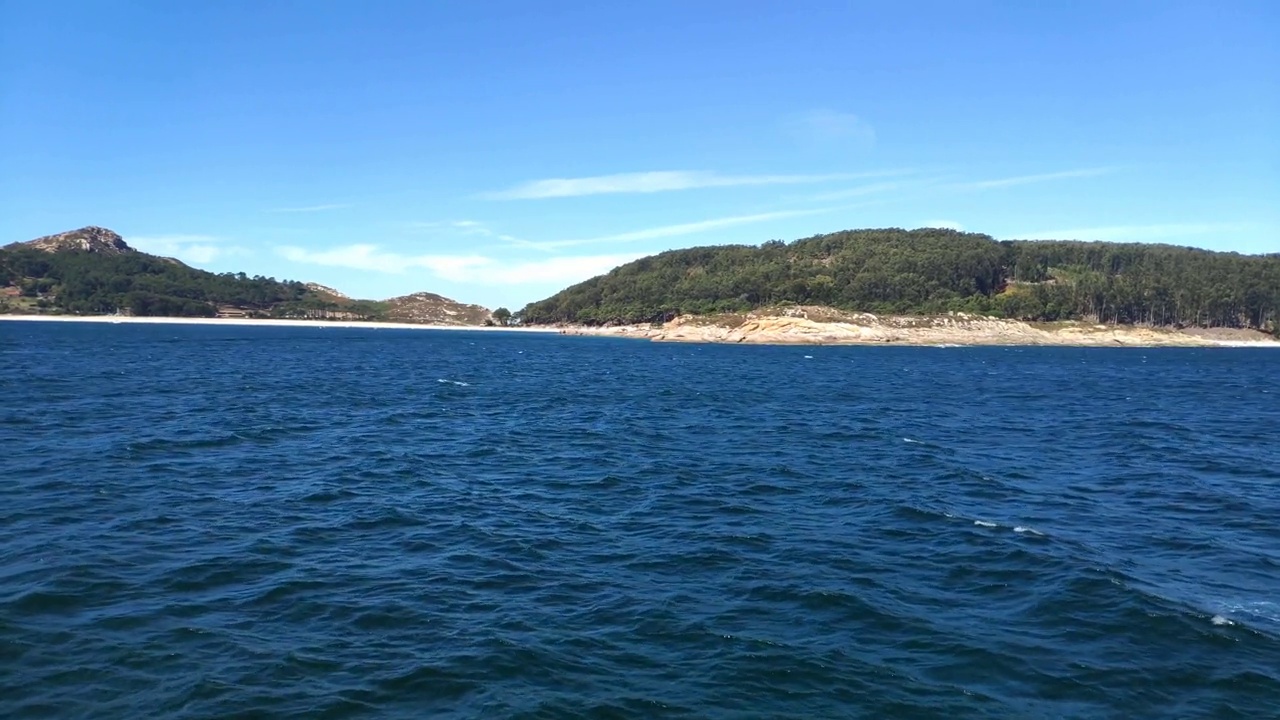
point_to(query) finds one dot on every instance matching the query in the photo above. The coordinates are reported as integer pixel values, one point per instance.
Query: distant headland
(93, 271)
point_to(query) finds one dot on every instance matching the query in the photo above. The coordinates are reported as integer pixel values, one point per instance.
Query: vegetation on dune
(932, 271)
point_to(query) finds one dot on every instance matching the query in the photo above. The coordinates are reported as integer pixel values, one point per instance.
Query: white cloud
(1028, 179)
(480, 229)
(648, 182)
(665, 231)
(1135, 233)
(374, 258)
(564, 270)
(474, 269)
(194, 249)
(311, 208)
(830, 126)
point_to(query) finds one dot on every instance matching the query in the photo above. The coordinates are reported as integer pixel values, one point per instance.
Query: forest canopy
(930, 271)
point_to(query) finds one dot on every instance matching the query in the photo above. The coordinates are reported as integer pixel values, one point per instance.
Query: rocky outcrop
(431, 309)
(824, 326)
(326, 291)
(92, 239)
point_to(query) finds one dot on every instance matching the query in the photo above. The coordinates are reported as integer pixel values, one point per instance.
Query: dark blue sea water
(221, 522)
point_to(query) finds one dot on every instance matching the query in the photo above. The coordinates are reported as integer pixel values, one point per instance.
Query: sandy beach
(795, 329)
(255, 322)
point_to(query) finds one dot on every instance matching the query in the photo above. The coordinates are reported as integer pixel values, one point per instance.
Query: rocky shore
(824, 326)
(818, 326)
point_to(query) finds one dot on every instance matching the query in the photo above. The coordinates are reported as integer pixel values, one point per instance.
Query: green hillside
(931, 271)
(92, 271)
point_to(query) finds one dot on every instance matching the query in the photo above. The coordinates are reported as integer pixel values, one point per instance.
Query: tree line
(930, 271)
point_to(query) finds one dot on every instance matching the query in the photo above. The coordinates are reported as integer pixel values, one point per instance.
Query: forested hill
(931, 271)
(92, 271)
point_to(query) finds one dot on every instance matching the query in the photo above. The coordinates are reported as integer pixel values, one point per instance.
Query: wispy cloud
(194, 249)
(666, 231)
(864, 190)
(364, 256)
(829, 126)
(1029, 179)
(475, 269)
(648, 182)
(567, 269)
(1136, 233)
(473, 228)
(311, 208)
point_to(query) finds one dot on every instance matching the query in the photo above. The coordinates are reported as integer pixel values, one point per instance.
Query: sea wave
(301, 523)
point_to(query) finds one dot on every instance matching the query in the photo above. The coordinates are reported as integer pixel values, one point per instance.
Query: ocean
(218, 522)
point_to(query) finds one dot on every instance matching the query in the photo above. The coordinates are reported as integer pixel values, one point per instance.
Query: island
(929, 286)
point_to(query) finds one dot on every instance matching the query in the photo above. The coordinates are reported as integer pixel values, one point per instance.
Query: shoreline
(262, 322)
(956, 330)
(864, 329)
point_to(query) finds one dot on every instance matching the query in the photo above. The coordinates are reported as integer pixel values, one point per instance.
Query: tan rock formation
(435, 309)
(825, 326)
(87, 239)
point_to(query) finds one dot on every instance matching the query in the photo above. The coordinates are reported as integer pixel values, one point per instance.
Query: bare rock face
(432, 309)
(319, 289)
(92, 239)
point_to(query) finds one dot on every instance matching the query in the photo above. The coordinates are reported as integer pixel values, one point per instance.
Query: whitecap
(455, 382)
(1025, 529)
(1219, 620)
(984, 523)
(1261, 609)
(808, 357)
(909, 440)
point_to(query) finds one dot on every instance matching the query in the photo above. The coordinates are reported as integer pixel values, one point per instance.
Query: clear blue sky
(498, 151)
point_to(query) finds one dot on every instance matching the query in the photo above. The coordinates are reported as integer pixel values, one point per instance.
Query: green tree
(502, 316)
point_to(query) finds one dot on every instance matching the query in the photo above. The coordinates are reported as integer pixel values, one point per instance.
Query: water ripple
(209, 522)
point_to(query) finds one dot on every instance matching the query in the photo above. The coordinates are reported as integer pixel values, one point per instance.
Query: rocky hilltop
(431, 309)
(326, 291)
(92, 239)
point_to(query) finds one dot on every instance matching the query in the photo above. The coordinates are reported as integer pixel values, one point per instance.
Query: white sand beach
(255, 322)
(770, 329)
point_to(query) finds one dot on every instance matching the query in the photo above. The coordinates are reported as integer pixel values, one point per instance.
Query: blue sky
(496, 152)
